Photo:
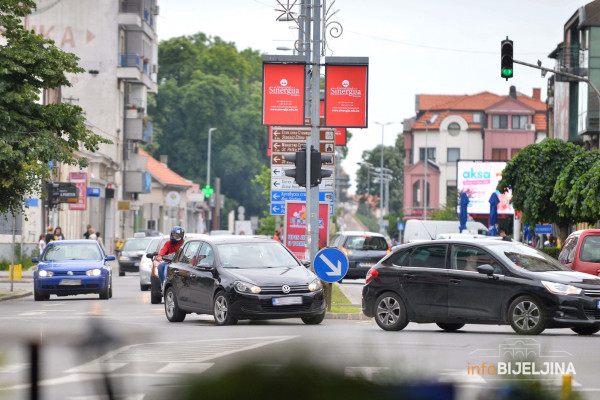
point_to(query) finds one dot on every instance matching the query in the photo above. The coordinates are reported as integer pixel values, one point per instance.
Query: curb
(348, 316)
(16, 295)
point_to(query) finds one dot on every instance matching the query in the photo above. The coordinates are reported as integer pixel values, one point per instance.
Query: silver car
(146, 263)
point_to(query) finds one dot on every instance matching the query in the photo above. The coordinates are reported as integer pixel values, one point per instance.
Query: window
(467, 258)
(499, 155)
(188, 255)
(428, 195)
(454, 128)
(514, 152)
(476, 118)
(430, 153)
(430, 256)
(519, 121)
(417, 194)
(451, 194)
(453, 154)
(567, 255)
(499, 121)
(366, 242)
(399, 258)
(206, 255)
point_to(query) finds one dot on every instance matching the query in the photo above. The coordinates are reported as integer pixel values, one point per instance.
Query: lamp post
(383, 124)
(427, 123)
(210, 131)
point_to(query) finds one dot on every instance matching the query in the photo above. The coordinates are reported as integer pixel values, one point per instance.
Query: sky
(414, 46)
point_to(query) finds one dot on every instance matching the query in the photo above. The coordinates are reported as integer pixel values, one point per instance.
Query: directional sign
(292, 147)
(289, 184)
(294, 133)
(330, 265)
(291, 195)
(543, 229)
(94, 191)
(278, 209)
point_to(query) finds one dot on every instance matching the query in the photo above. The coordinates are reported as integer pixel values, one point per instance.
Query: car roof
(469, 242)
(225, 239)
(72, 241)
(360, 233)
(586, 231)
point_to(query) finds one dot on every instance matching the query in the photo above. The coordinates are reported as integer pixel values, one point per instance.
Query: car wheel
(221, 310)
(110, 289)
(390, 313)
(40, 297)
(172, 310)
(144, 288)
(585, 330)
(450, 327)
(314, 320)
(105, 293)
(526, 316)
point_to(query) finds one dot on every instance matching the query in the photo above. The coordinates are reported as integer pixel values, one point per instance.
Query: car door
(183, 273)
(424, 280)
(204, 277)
(473, 296)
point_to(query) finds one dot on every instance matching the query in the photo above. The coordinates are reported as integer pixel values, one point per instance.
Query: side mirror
(151, 255)
(205, 266)
(486, 269)
(306, 263)
(110, 258)
(34, 259)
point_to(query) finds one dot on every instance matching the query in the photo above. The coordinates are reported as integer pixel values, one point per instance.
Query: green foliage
(532, 175)
(23, 258)
(551, 251)
(32, 134)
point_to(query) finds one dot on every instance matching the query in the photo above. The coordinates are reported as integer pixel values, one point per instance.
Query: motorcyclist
(175, 242)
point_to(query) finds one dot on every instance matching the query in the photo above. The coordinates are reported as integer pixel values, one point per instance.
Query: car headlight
(45, 273)
(315, 285)
(93, 272)
(561, 288)
(123, 258)
(244, 287)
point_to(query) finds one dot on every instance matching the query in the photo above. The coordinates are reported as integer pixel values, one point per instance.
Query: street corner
(6, 294)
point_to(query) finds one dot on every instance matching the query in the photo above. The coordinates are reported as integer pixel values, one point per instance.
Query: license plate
(364, 265)
(286, 301)
(70, 282)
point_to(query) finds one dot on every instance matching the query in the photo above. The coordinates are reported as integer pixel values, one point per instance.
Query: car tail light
(371, 274)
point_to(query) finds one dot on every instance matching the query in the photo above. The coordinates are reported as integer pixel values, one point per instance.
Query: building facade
(449, 128)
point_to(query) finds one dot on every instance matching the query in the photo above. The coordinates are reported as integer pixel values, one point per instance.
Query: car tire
(314, 319)
(526, 316)
(155, 290)
(172, 310)
(110, 289)
(105, 293)
(144, 288)
(390, 313)
(449, 327)
(585, 330)
(221, 312)
(40, 297)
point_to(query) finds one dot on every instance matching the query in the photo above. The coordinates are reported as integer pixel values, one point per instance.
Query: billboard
(346, 95)
(295, 227)
(479, 180)
(80, 180)
(283, 94)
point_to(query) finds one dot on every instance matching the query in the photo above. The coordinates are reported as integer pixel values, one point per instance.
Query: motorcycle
(156, 294)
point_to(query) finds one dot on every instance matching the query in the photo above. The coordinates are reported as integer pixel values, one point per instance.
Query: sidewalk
(21, 287)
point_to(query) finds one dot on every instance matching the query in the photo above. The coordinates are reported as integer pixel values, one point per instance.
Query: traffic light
(316, 172)
(299, 160)
(506, 58)
(51, 194)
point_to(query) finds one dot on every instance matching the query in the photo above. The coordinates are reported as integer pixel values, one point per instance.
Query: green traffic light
(507, 72)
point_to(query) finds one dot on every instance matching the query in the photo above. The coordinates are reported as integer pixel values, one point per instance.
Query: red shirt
(170, 247)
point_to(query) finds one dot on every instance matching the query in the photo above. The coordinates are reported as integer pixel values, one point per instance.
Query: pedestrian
(276, 236)
(99, 239)
(502, 234)
(87, 232)
(58, 234)
(49, 234)
(93, 235)
(42, 243)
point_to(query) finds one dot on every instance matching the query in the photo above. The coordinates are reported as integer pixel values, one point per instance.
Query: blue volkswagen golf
(70, 267)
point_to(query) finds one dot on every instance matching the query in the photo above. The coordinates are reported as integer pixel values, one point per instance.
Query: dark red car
(581, 251)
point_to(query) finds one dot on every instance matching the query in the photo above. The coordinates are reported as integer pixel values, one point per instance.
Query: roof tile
(163, 173)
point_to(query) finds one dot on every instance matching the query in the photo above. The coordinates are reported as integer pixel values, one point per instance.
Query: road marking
(13, 368)
(95, 368)
(184, 368)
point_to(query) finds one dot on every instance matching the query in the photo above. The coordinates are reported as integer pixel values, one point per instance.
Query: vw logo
(283, 82)
(285, 289)
(345, 83)
(70, 273)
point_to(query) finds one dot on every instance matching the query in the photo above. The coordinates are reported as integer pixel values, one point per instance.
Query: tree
(532, 175)
(33, 134)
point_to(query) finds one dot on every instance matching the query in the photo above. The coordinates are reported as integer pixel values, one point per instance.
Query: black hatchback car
(363, 249)
(241, 277)
(512, 284)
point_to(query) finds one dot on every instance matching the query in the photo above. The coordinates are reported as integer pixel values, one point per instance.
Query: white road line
(13, 368)
(184, 368)
(95, 368)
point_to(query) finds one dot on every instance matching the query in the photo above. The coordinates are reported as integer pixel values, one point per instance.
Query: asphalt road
(144, 355)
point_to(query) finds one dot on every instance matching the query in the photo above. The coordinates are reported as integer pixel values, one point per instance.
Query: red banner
(346, 96)
(80, 179)
(295, 227)
(283, 94)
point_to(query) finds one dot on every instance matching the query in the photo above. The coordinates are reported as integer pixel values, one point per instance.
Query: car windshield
(255, 255)
(527, 257)
(72, 251)
(366, 242)
(590, 249)
(135, 244)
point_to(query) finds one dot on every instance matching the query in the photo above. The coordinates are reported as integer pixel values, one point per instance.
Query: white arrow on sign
(334, 271)
(276, 146)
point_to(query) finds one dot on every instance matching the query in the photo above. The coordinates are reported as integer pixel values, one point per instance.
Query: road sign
(401, 226)
(291, 195)
(94, 191)
(543, 229)
(330, 265)
(278, 209)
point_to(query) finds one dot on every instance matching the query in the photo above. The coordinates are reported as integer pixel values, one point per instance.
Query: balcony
(138, 15)
(133, 67)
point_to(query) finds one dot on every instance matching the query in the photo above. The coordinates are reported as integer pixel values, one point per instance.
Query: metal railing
(129, 60)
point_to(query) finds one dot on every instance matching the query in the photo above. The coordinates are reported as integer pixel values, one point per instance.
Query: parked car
(241, 277)
(581, 251)
(154, 246)
(131, 254)
(150, 232)
(70, 267)
(419, 230)
(427, 282)
(363, 249)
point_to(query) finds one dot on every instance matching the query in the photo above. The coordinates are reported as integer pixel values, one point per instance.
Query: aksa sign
(479, 180)
(283, 94)
(346, 92)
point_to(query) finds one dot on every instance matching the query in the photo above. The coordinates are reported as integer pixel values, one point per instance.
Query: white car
(146, 263)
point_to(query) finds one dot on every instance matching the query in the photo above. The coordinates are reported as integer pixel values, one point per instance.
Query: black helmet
(177, 234)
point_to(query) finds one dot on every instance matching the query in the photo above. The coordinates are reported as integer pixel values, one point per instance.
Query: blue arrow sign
(330, 265)
(293, 195)
(278, 209)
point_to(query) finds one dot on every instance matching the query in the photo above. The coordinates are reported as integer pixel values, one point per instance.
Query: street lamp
(427, 123)
(210, 131)
(381, 177)
(369, 166)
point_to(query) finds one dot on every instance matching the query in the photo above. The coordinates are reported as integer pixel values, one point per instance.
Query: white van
(416, 229)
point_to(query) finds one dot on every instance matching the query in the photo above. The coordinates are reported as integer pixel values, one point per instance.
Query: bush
(551, 251)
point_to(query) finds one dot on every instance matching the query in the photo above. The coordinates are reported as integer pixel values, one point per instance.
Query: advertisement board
(346, 95)
(479, 180)
(80, 179)
(294, 232)
(283, 94)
